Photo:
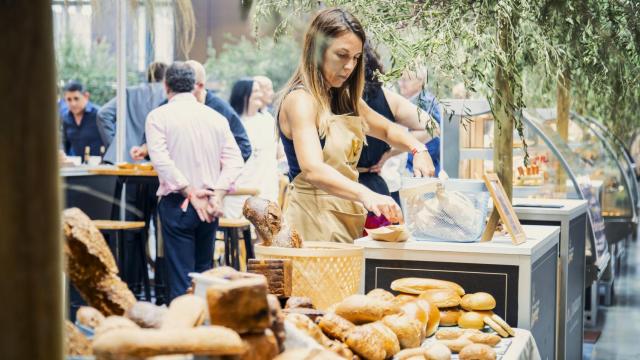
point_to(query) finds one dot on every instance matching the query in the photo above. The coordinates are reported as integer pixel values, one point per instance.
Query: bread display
(335, 326)
(381, 294)
(418, 285)
(89, 317)
(146, 315)
(186, 311)
(75, 343)
(308, 354)
(276, 319)
(114, 323)
(269, 222)
(442, 298)
(478, 301)
(91, 266)
(127, 342)
(450, 316)
(477, 352)
(362, 309)
(240, 304)
(435, 351)
(279, 273)
(299, 302)
(471, 320)
(260, 346)
(408, 330)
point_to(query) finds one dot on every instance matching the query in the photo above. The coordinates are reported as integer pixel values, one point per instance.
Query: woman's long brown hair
(327, 25)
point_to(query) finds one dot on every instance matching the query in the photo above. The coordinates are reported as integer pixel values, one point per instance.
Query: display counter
(522, 278)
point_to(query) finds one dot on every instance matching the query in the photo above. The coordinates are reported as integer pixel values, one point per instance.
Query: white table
(522, 278)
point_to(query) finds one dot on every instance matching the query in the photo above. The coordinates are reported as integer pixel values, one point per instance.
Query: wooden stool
(231, 229)
(119, 227)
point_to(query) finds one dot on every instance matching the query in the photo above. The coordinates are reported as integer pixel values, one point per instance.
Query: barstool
(119, 227)
(232, 228)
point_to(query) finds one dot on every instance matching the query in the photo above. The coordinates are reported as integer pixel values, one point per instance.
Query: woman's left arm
(398, 137)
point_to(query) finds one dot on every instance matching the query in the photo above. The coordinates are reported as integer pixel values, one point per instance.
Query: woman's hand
(423, 165)
(382, 205)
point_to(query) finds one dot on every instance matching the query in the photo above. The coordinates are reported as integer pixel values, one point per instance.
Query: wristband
(414, 151)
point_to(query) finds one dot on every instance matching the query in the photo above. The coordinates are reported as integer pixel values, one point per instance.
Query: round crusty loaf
(478, 301)
(450, 316)
(477, 352)
(442, 298)
(471, 320)
(89, 317)
(418, 285)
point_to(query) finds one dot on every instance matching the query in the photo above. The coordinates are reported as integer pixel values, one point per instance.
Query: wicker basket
(326, 272)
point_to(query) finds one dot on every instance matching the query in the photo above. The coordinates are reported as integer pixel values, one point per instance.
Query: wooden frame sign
(502, 203)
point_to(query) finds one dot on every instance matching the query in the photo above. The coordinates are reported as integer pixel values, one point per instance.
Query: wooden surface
(233, 223)
(123, 172)
(31, 305)
(118, 225)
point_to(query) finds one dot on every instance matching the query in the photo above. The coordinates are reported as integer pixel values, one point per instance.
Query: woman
(396, 109)
(323, 122)
(261, 169)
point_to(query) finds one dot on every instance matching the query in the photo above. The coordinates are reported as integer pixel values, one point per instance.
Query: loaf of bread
(408, 330)
(76, 344)
(478, 301)
(91, 266)
(419, 312)
(260, 346)
(362, 309)
(146, 315)
(89, 317)
(335, 326)
(442, 298)
(240, 304)
(450, 316)
(456, 345)
(471, 320)
(308, 354)
(210, 340)
(278, 273)
(267, 218)
(114, 323)
(373, 341)
(418, 285)
(435, 351)
(299, 302)
(186, 311)
(477, 352)
(381, 294)
(276, 320)
(305, 324)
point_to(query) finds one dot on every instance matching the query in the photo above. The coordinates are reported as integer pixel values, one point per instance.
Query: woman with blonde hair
(323, 122)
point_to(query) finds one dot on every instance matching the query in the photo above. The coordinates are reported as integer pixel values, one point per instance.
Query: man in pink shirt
(197, 160)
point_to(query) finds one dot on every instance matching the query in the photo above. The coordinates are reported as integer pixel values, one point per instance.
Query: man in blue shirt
(412, 87)
(79, 128)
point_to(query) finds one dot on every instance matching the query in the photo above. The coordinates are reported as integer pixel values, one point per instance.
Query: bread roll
(114, 323)
(371, 342)
(418, 310)
(184, 312)
(381, 294)
(335, 326)
(503, 324)
(76, 344)
(442, 298)
(409, 331)
(89, 317)
(450, 316)
(299, 302)
(449, 334)
(362, 309)
(390, 339)
(419, 285)
(435, 351)
(210, 340)
(471, 320)
(308, 354)
(402, 299)
(477, 352)
(456, 345)
(305, 324)
(482, 338)
(478, 301)
(260, 346)
(146, 315)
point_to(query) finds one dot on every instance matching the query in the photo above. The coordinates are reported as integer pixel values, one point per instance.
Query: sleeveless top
(374, 149)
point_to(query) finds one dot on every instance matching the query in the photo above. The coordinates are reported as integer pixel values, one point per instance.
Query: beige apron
(317, 215)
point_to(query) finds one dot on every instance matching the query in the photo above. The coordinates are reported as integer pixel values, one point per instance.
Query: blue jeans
(188, 243)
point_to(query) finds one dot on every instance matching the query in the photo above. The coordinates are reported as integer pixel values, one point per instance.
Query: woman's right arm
(300, 111)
